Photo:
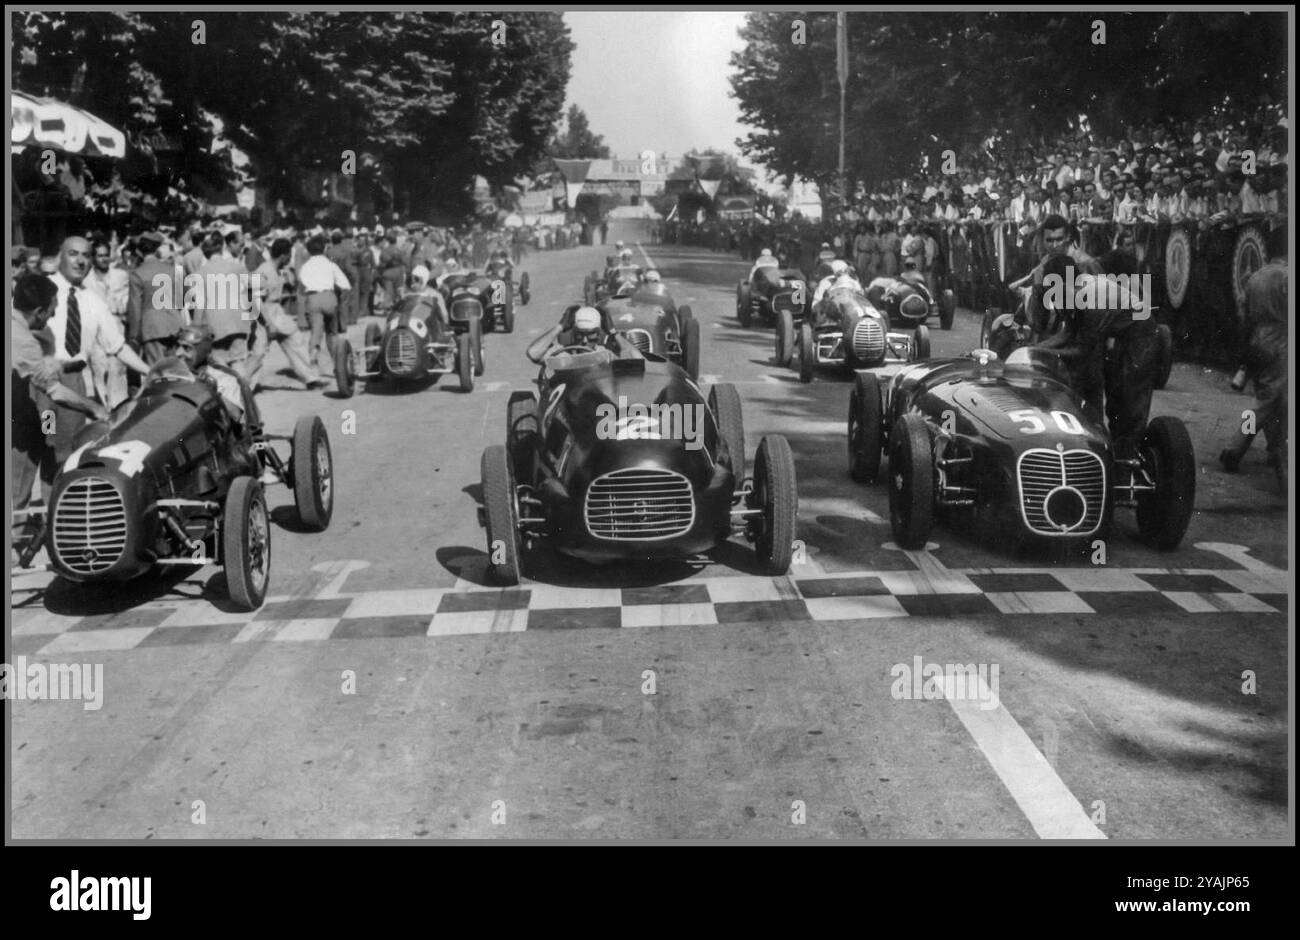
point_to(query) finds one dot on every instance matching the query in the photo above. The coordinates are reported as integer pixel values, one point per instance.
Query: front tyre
(465, 362)
(775, 495)
(744, 304)
(246, 544)
(345, 374)
(724, 402)
(1164, 515)
(1164, 355)
(502, 515)
(865, 419)
(691, 345)
(911, 482)
(784, 338)
(313, 473)
(807, 352)
(947, 309)
(921, 343)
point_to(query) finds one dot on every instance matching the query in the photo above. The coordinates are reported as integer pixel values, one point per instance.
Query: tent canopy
(48, 124)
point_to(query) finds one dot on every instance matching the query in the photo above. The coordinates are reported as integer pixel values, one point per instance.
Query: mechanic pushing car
(1058, 241)
(1126, 371)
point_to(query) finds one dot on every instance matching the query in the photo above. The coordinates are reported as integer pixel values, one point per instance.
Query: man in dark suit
(153, 316)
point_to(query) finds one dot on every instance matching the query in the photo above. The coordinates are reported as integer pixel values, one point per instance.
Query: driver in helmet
(766, 260)
(499, 264)
(194, 348)
(841, 276)
(588, 330)
(626, 270)
(424, 292)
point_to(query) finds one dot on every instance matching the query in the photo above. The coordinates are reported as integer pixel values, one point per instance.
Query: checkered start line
(471, 609)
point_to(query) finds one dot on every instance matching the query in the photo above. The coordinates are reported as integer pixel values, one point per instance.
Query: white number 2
(1067, 422)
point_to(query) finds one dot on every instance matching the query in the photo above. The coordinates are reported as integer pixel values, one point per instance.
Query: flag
(575, 174)
(842, 47)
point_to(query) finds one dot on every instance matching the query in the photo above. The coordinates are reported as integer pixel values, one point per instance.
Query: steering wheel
(567, 350)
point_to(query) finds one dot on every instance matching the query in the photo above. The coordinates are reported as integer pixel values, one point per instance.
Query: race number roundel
(1178, 267)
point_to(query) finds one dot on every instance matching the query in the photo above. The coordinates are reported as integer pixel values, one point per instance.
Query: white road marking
(710, 379)
(495, 386)
(1042, 796)
(931, 577)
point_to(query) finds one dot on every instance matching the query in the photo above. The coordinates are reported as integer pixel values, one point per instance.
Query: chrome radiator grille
(642, 340)
(1061, 493)
(639, 505)
(869, 340)
(400, 352)
(89, 526)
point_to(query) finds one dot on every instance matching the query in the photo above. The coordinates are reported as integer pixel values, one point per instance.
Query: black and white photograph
(681, 426)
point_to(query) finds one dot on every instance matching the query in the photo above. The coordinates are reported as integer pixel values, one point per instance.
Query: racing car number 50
(1067, 422)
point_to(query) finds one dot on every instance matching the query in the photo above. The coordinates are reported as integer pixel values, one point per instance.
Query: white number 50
(1067, 422)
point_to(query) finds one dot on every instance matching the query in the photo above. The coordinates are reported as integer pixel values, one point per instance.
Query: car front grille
(869, 340)
(89, 526)
(639, 505)
(914, 307)
(401, 352)
(642, 340)
(1061, 492)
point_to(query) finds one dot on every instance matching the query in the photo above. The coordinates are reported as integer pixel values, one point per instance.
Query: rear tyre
(313, 473)
(744, 304)
(345, 374)
(776, 495)
(947, 309)
(525, 293)
(476, 344)
(508, 318)
(724, 402)
(246, 544)
(691, 346)
(1163, 515)
(502, 515)
(807, 353)
(921, 343)
(911, 482)
(865, 418)
(465, 362)
(1164, 355)
(784, 338)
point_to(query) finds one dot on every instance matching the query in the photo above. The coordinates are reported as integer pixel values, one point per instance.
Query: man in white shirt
(113, 285)
(81, 322)
(320, 281)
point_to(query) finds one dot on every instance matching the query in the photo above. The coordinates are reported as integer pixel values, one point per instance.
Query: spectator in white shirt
(321, 281)
(113, 285)
(81, 323)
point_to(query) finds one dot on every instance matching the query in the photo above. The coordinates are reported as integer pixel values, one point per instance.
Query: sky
(656, 81)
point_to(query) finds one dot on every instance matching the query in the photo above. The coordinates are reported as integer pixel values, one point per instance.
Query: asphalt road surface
(386, 690)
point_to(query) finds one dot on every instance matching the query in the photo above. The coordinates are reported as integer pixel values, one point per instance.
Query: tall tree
(576, 140)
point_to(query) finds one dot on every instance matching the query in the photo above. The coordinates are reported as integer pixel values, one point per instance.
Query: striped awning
(49, 124)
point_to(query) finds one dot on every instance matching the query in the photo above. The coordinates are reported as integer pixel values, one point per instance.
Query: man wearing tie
(81, 322)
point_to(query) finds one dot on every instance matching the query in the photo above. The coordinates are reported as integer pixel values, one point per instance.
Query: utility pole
(842, 67)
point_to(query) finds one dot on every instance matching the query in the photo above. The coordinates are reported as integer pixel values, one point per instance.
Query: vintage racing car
(908, 300)
(500, 293)
(636, 487)
(597, 287)
(1005, 443)
(654, 324)
(413, 345)
(171, 478)
(770, 291)
(820, 339)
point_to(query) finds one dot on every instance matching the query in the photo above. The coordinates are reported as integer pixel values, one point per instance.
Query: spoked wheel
(1163, 515)
(313, 473)
(775, 495)
(246, 543)
(866, 418)
(911, 482)
(807, 352)
(501, 508)
(784, 338)
(724, 402)
(345, 371)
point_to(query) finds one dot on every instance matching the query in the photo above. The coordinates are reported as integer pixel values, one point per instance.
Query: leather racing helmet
(199, 339)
